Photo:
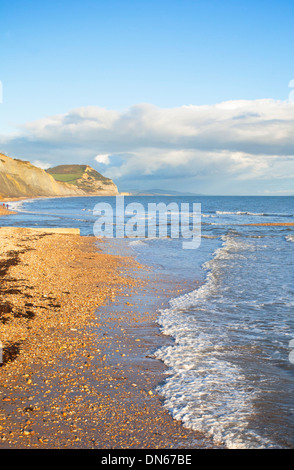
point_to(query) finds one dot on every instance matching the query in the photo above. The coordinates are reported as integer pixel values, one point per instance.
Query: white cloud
(102, 158)
(230, 141)
(41, 164)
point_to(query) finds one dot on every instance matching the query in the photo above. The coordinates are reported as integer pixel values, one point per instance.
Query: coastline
(278, 224)
(28, 198)
(78, 327)
(4, 211)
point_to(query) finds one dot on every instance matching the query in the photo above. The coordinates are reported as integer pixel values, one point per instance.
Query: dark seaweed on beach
(10, 353)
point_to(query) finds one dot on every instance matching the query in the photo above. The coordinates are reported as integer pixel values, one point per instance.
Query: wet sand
(4, 211)
(78, 329)
(275, 224)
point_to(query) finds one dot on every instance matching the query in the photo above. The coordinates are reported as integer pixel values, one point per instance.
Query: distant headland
(19, 178)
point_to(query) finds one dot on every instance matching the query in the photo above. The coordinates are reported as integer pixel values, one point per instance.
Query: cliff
(84, 178)
(20, 178)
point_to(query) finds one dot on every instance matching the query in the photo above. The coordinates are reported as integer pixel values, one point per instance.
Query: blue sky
(61, 56)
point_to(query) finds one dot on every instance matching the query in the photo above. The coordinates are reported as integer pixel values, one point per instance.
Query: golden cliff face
(22, 179)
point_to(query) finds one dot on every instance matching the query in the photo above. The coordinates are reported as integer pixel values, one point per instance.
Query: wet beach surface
(78, 329)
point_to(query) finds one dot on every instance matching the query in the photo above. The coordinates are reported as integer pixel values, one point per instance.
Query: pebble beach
(77, 328)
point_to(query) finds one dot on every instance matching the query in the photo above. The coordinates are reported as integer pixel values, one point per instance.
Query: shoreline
(78, 370)
(278, 224)
(28, 198)
(4, 211)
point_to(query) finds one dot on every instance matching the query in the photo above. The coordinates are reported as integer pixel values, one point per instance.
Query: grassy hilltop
(83, 177)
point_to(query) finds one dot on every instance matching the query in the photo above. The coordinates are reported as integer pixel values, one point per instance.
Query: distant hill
(84, 178)
(19, 178)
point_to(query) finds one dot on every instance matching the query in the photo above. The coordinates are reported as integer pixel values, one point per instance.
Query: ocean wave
(290, 238)
(231, 248)
(214, 237)
(136, 243)
(199, 359)
(254, 214)
(17, 205)
(238, 213)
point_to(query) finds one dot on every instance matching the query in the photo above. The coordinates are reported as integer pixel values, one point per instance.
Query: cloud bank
(231, 147)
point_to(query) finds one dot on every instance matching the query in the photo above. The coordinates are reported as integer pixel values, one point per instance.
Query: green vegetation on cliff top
(82, 176)
(72, 173)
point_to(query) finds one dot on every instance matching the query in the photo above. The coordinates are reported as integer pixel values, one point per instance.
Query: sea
(230, 364)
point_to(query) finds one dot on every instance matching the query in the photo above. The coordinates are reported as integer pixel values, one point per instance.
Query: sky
(182, 94)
